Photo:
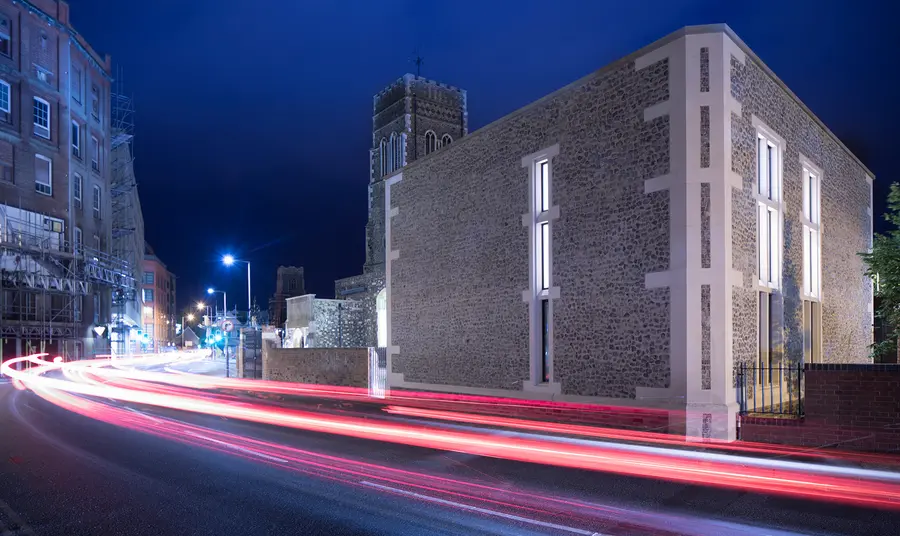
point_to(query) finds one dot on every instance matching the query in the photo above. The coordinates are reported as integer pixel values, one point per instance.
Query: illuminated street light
(229, 260)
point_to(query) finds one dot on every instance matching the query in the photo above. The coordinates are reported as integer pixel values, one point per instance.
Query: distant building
(158, 298)
(58, 273)
(632, 238)
(412, 118)
(289, 282)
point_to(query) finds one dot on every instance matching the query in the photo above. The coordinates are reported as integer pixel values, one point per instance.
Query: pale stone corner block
(394, 254)
(554, 293)
(657, 184)
(529, 159)
(737, 278)
(734, 106)
(657, 279)
(734, 51)
(651, 57)
(394, 350)
(657, 110)
(395, 211)
(527, 220)
(554, 212)
(736, 180)
(526, 296)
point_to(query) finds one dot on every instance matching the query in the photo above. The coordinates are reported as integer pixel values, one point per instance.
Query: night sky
(254, 118)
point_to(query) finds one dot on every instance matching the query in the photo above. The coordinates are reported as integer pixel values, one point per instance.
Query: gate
(377, 372)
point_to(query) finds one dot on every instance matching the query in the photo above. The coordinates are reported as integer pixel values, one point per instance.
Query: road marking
(240, 449)
(485, 511)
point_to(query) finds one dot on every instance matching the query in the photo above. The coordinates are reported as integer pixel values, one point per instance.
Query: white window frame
(76, 140)
(49, 176)
(78, 189)
(95, 163)
(393, 147)
(444, 139)
(431, 142)
(34, 118)
(811, 217)
(77, 74)
(8, 108)
(385, 162)
(540, 296)
(769, 202)
(79, 239)
(97, 202)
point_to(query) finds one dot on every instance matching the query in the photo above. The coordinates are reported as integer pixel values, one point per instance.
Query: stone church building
(629, 239)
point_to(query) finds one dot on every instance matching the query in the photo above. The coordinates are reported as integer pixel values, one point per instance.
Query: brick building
(55, 217)
(158, 297)
(412, 118)
(628, 239)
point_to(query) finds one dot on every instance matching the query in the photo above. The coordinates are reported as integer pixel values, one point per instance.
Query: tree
(884, 267)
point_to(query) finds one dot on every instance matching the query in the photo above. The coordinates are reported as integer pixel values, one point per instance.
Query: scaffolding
(45, 279)
(127, 219)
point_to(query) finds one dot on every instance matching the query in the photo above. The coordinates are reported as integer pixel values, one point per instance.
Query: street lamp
(229, 260)
(211, 290)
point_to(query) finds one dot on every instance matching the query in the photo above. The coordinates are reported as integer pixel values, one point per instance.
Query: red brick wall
(854, 407)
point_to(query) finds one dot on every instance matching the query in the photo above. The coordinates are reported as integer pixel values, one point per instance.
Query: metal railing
(770, 390)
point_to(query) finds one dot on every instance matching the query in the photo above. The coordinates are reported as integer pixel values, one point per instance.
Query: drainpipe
(340, 325)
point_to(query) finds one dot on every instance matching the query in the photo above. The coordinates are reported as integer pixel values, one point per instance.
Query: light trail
(861, 487)
(533, 508)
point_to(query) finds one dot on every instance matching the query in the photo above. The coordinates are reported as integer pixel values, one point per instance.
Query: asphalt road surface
(66, 474)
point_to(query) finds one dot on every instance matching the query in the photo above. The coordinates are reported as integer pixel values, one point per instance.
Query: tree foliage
(884, 266)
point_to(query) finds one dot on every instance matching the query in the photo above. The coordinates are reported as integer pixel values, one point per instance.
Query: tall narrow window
(384, 157)
(430, 142)
(812, 264)
(41, 118)
(95, 102)
(95, 154)
(43, 175)
(76, 139)
(5, 39)
(392, 161)
(78, 239)
(542, 307)
(77, 189)
(768, 175)
(97, 202)
(76, 84)
(5, 105)
(446, 140)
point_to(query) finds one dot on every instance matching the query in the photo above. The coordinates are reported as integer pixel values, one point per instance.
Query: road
(67, 474)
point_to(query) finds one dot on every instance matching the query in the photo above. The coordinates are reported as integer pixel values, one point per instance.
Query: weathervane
(418, 61)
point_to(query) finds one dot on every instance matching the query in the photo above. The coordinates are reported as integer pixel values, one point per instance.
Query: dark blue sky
(254, 118)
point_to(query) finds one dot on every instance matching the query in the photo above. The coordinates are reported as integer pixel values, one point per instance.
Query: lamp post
(211, 290)
(229, 260)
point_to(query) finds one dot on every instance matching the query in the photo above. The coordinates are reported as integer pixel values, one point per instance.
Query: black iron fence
(770, 390)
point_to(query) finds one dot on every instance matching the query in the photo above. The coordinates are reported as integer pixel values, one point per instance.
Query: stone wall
(324, 366)
(852, 407)
(457, 308)
(363, 290)
(338, 324)
(846, 317)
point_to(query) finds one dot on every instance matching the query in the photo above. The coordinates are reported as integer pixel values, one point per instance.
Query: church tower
(411, 118)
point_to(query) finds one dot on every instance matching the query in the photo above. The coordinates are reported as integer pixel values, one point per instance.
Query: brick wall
(854, 407)
(348, 367)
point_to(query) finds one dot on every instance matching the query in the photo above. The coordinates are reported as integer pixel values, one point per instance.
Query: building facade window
(812, 264)
(5, 101)
(95, 154)
(542, 290)
(43, 175)
(77, 189)
(430, 142)
(769, 150)
(5, 39)
(77, 85)
(148, 278)
(393, 158)
(98, 246)
(148, 295)
(384, 157)
(76, 139)
(96, 204)
(79, 240)
(95, 102)
(446, 140)
(6, 172)
(41, 118)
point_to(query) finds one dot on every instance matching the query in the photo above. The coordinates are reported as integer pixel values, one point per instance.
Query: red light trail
(795, 479)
